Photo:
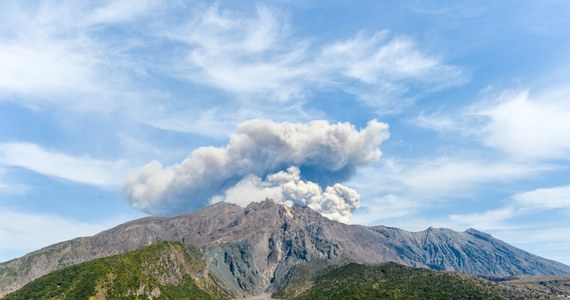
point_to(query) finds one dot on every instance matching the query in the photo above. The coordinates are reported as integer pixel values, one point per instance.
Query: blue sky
(476, 96)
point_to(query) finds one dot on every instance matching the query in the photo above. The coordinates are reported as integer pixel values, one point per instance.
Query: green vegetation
(166, 270)
(394, 281)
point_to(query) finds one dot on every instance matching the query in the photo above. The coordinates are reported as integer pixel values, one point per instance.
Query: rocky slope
(165, 270)
(252, 249)
(471, 252)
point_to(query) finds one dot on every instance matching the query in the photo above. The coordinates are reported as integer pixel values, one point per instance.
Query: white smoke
(323, 154)
(336, 203)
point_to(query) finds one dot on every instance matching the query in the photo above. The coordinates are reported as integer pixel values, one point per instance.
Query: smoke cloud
(288, 162)
(336, 203)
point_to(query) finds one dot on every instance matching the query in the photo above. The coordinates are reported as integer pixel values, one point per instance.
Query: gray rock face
(471, 252)
(252, 249)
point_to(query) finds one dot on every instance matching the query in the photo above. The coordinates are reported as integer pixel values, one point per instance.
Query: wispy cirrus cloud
(396, 189)
(121, 11)
(443, 177)
(493, 219)
(386, 67)
(519, 124)
(544, 198)
(55, 56)
(8, 187)
(519, 205)
(261, 56)
(78, 57)
(81, 169)
(378, 209)
(525, 132)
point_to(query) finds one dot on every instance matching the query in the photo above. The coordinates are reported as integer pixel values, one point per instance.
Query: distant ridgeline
(226, 251)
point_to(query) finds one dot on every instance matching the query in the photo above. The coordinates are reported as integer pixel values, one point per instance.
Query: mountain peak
(253, 249)
(479, 234)
(268, 203)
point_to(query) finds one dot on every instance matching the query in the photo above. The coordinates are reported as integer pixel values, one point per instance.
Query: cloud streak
(81, 169)
(261, 57)
(544, 198)
(321, 154)
(522, 125)
(442, 178)
(63, 56)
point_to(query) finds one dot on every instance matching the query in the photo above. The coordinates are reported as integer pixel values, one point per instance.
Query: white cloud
(395, 190)
(59, 54)
(242, 54)
(444, 124)
(378, 58)
(528, 127)
(326, 154)
(450, 176)
(442, 178)
(261, 56)
(544, 198)
(522, 125)
(34, 69)
(220, 121)
(50, 56)
(376, 210)
(10, 188)
(489, 220)
(336, 202)
(82, 169)
(119, 11)
(7, 187)
(521, 204)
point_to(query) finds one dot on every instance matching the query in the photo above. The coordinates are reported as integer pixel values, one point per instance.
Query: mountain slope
(165, 270)
(394, 281)
(471, 252)
(252, 249)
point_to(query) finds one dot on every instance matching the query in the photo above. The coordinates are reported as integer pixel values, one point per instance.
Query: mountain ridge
(253, 249)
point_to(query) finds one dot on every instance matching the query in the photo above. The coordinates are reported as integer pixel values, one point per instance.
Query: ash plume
(292, 163)
(336, 202)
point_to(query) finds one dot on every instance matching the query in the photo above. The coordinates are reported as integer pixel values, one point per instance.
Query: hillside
(166, 270)
(394, 281)
(253, 249)
(170, 270)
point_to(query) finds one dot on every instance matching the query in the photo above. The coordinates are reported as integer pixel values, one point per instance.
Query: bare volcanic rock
(471, 252)
(252, 249)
